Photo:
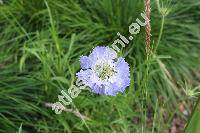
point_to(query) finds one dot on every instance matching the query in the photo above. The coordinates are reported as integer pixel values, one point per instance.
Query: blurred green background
(40, 45)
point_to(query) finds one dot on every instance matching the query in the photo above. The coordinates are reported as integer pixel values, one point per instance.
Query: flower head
(104, 72)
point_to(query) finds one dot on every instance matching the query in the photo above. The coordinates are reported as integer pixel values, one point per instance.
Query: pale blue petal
(86, 62)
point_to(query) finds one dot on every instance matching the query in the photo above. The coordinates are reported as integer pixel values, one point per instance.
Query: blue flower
(104, 72)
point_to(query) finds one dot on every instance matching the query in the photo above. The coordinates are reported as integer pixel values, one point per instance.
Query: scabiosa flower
(104, 72)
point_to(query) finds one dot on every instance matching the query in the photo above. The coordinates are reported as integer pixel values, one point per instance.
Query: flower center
(104, 71)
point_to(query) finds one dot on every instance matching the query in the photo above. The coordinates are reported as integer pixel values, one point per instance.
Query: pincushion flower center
(104, 71)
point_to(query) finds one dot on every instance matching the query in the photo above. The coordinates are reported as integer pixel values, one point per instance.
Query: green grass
(40, 45)
(193, 124)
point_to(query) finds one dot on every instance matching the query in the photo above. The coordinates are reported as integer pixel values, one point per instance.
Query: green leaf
(193, 125)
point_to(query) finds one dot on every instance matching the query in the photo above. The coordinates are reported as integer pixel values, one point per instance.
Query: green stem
(160, 34)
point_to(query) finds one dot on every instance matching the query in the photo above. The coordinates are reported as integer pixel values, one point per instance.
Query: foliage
(40, 45)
